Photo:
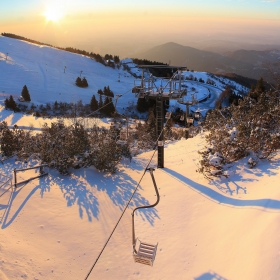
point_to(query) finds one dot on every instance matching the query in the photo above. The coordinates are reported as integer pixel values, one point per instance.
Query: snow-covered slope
(55, 227)
(41, 68)
(50, 76)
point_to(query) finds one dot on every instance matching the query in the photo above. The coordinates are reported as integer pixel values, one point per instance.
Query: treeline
(157, 72)
(230, 97)
(97, 57)
(244, 81)
(104, 106)
(10, 35)
(106, 91)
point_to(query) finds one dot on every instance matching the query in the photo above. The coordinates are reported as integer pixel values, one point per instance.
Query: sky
(124, 26)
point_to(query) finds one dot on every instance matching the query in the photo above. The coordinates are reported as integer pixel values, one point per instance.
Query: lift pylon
(160, 90)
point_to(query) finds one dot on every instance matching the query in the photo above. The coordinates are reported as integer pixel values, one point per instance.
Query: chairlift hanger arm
(141, 207)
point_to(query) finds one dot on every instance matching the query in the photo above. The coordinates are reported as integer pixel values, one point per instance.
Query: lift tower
(160, 89)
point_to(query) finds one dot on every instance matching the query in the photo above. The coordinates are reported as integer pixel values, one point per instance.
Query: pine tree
(78, 82)
(84, 82)
(11, 104)
(25, 93)
(255, 92)
(7, 103)
(100, 103)
(109, 108)
(93, 103)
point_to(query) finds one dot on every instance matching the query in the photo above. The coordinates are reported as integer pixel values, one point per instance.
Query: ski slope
(50, 76)
(55, 227)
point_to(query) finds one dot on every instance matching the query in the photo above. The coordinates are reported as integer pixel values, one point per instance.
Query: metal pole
(15, 176)
(126, 127)
(141, 207)
(159, 128)
(187, 124)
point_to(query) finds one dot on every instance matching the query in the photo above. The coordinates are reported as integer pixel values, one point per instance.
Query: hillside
(55, 227)
(200, 60)
(42, 68)
(50, 76)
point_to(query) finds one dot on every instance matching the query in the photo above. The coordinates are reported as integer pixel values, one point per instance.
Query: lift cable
(138, 184)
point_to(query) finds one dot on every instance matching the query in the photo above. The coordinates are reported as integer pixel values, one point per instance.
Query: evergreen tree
(93, 103)
(7, 103)
(109, 108)
(260, 85)
(25, 93)
(100, 103)
(84, 82)
(11, 104)
(78, 82)
(255, 92)
(116, 59)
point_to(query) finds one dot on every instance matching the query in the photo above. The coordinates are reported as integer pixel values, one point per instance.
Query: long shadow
(16, 118)
(219, 198)
(75, 192)
(80, 189)
(6, 223)
(5, 114)
(119, 187)
(211, 275)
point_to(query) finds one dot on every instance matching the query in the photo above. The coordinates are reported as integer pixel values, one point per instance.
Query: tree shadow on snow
(269, 204)
(83, 186)
(119, 188)
(80, 188)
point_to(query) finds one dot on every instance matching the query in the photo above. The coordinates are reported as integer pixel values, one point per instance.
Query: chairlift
(168, 115)
(189, 120)
(146, 252)
(121, 142)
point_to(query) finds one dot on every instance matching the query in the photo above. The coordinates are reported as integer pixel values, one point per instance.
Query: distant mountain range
(249, 63)
(225, 46)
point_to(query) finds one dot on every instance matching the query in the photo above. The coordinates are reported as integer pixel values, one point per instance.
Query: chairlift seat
(146, 253)
(122, 142)
(168, 115)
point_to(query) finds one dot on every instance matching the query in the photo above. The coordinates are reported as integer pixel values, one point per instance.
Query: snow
(55, 227)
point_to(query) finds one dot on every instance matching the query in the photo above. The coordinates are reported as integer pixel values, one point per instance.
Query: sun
(53, 14)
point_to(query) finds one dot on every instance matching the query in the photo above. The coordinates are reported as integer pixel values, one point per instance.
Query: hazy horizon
(122, 28)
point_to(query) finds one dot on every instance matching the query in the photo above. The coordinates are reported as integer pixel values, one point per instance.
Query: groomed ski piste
(56, 226)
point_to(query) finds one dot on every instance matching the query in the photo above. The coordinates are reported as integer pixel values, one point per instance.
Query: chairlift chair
(168, 115)
(189, 120)
(146, 252)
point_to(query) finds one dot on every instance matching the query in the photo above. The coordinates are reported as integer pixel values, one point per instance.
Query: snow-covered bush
(250, 128)
(65, 147)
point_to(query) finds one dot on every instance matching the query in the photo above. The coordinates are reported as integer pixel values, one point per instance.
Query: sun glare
(53, 14)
